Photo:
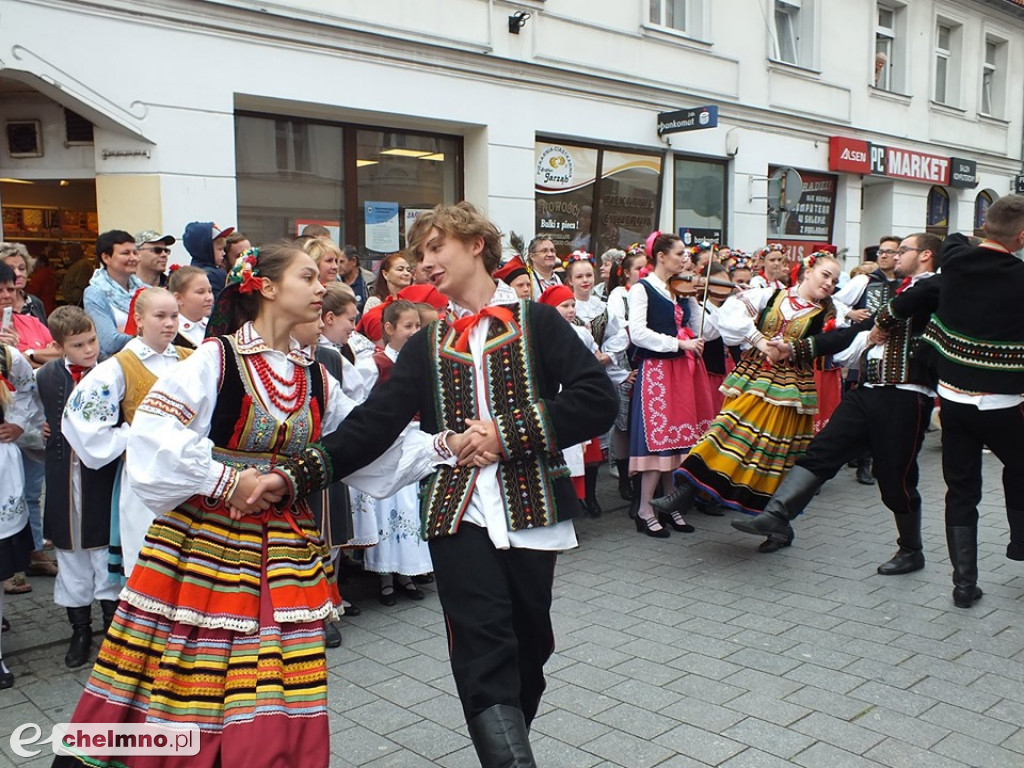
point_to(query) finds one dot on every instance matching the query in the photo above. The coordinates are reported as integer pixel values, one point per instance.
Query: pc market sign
(693, 119)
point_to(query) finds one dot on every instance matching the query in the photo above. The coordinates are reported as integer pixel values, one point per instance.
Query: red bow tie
(464, 325)
(77, 372)
(904, 285)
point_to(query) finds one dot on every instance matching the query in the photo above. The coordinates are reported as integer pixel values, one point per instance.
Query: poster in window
(814, 216)
(381, 227)
(629, 199)
(564, 178)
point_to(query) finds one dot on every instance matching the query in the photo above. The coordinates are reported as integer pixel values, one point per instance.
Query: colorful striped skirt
(747, 451)
(258, 693)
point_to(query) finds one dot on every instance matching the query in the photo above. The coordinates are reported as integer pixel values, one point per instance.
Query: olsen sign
(856, 156)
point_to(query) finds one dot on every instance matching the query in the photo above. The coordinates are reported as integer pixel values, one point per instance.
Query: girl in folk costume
(191, 289)
(774, 272)
(590, 310)
(767, 419)
(582, 459)
(221, 623)
(100, 412)
(672, 403)
(399, 553)
(717, 356)
(19, 409)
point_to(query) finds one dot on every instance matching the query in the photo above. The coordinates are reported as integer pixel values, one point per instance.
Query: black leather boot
(680, 500)
(1015, 549)
(789, 500)
(500, 737)
(625, 486)
(109, 608)
(864, 476)
(81, 636)
(910, 556)
(963, 555)
(590, 485)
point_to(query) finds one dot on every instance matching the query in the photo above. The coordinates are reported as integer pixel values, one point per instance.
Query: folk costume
(392, 522)
(190, 335)
(18, 405)
(767, 419)
(672, 401)
(494, 531)
(885, 416)
(77, 515)
(221, 623)
(977, 332)
(96, 423)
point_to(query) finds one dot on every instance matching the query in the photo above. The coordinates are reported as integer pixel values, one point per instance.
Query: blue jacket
(198, 240)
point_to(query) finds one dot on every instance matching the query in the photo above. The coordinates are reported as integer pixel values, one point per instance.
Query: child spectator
(18, 410)
(400, 552)
(516, 276)
(78, 499)
(191, 289)
(101, 410)
(585, 458)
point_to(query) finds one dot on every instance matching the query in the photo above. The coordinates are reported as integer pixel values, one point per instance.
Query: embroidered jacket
(545, 392)
(977, 328)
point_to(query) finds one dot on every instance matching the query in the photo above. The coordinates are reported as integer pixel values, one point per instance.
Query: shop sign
(555, 168)
(856, 156)
(963, 173)
(798, 249)
(693, 119)
(849, 155)
(813, 216)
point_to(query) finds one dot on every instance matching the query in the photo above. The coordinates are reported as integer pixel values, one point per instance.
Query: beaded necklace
(297, 383)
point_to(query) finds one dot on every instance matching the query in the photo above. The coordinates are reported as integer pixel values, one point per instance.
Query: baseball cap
(152, 236)
(219, 233)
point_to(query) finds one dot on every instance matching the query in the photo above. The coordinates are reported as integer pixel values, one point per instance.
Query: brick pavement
(691, 651)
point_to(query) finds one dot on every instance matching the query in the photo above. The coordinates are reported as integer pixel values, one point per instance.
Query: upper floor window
(993, 76)
(947, 62)
(682, 15)
(793, 32)
(889, 45)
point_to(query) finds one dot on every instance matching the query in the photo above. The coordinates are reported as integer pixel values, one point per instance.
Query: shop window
(681, 15)
(700, 198)
(595, 198)
(362, 182)
(948, 36)
(889, 47)
(793, 32)
(938, 212)
(993, 78)
(984, 199)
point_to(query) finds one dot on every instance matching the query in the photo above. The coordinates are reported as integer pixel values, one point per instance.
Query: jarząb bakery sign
(857, 156)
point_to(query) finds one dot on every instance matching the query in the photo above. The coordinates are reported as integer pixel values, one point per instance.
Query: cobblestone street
(691, 651)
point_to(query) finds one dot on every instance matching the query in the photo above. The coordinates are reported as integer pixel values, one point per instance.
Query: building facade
(898, 115)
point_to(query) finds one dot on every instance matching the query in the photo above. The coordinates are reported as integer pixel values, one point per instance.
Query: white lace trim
(306, 615)
(187, 615)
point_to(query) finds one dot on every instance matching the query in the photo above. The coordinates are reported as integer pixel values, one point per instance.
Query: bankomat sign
(863, 157)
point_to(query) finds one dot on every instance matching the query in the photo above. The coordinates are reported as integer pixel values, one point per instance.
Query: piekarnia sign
(857, 156)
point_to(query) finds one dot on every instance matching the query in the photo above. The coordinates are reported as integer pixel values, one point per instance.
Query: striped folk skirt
(747, 451)
(248, 667)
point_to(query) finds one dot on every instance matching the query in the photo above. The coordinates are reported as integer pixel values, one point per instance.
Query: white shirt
(639, 333)
(194, 332)
(169, 454)
(486, 507)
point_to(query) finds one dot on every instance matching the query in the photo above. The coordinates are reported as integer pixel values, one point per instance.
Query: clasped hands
(775, 350)
(254, 493)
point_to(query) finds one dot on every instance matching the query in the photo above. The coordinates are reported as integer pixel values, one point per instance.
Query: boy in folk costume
(519, 377)
(77, 514)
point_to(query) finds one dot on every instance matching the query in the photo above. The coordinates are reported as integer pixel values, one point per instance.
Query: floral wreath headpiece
(245, 272)
(775, 247)
(579, 255)
(636, 249)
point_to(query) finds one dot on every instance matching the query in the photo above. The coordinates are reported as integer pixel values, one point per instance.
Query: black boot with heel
(81, 636)
(788, 502)
(963, 555)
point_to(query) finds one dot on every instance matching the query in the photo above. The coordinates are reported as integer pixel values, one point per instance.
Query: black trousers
(965, 431)
(888, 422)
(497, 610)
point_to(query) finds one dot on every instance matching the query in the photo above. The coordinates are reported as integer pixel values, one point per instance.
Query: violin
(692, 286)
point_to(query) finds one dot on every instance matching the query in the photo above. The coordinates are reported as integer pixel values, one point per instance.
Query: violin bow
(707, 286)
